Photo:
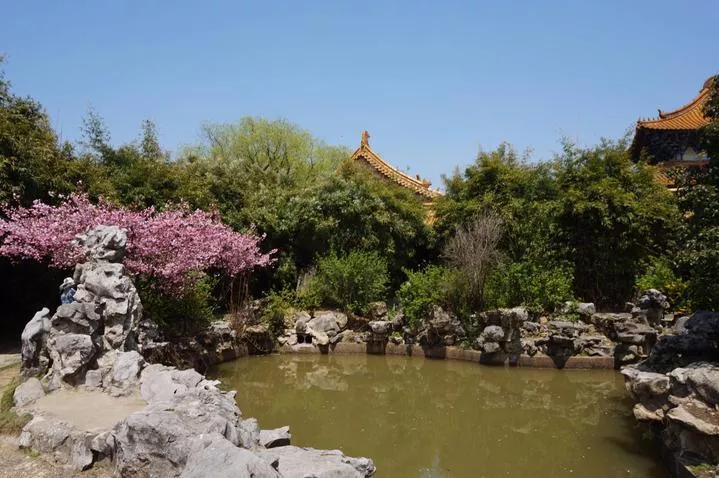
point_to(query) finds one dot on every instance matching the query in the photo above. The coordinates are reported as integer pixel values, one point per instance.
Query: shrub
(540, 287)
(474, 250)
(278, 303)
(660, 275)
(352, 281)
(10, 422)
(182, 315)
(433, 285)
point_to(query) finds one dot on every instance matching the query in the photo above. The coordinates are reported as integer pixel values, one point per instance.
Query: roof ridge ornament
(365, 138)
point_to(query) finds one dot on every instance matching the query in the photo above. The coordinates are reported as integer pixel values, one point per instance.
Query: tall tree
(698, 195)
(613, 217)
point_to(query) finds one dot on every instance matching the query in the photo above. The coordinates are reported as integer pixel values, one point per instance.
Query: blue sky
(432, 81)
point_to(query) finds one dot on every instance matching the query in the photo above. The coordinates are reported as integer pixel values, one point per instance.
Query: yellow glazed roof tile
(416, 185)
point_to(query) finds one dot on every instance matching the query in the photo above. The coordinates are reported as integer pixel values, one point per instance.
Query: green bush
(536, 286)
(350, 282)
(278, 303)
(433, 285)
(179, 316)
(10, 422)
(660, 275)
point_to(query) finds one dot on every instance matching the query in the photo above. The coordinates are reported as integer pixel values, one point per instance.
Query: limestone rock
(381, 327)
(645, 385)
(328, 322)
(378, 310)
(212, 455)
(71, 355)
(125, 375)
(104, 243)
(439, 328)
(276, 437)
(493, 333)
(28, 391)
(296, 462)
(696, 416)
(249, 433)
(33, 339)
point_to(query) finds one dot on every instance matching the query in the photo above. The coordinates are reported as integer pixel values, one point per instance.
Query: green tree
(698, 196)
(613, 218)
(526, 198)
(137, 174)
(33, 162)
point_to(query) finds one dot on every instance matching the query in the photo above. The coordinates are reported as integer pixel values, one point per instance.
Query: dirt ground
(17, 463)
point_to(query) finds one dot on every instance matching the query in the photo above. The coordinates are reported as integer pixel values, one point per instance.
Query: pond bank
(452, 353)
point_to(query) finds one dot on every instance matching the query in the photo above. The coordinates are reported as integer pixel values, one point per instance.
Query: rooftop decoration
(417, 185)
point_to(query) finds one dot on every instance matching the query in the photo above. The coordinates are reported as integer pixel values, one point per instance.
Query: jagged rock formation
(439, 328)
(103, 318)
(677, 389)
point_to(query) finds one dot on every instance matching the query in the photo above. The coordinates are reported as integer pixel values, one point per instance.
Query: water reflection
(432, 418)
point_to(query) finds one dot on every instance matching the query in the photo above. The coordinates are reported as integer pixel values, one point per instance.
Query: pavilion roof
(688, 117)
(415, 184)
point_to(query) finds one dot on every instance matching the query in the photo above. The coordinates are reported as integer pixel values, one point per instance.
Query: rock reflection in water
(436, 418)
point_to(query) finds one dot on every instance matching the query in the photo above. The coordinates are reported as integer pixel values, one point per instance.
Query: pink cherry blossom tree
(168, 246)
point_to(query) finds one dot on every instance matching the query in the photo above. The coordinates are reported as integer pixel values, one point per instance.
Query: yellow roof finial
(365, 138)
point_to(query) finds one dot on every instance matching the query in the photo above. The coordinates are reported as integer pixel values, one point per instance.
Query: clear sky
(432, 81)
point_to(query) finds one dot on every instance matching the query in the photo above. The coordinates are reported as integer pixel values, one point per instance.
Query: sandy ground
(90, 411)
(87, 410)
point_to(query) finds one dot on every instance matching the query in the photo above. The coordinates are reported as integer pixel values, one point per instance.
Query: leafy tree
(698, 196)
(352, 210)
(351, 281)
(32, 160)
(525, 197)
(613, 216)
(433, 285)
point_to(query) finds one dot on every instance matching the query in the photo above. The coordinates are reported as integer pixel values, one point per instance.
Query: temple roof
(688, 117)
(417, 185)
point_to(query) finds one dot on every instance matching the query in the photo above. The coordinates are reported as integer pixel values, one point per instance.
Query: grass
(10, 422)
(699, 470)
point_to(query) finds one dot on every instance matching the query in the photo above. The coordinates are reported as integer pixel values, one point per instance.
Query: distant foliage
(434, 285)
(698, 196)
(180, 314)
(167, 246)
(659, 274)
(538, 286)
(351, 281)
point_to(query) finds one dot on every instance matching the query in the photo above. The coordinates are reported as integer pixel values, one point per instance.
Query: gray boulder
(71, 355)
(33, 339)
(104, 243)
(53, 436)
(27, 392)
(125, 374)
(296, 462)
(275, 437)
(249, 433)
(493, 333)
(213, 456)
(381, 327)
(330, 322)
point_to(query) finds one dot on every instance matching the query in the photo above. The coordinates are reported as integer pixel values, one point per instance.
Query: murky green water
(435, 418)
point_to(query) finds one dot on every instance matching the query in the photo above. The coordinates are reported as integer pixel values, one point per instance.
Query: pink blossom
(166, 245)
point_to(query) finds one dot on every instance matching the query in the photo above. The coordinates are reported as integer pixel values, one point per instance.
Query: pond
(417, 417)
